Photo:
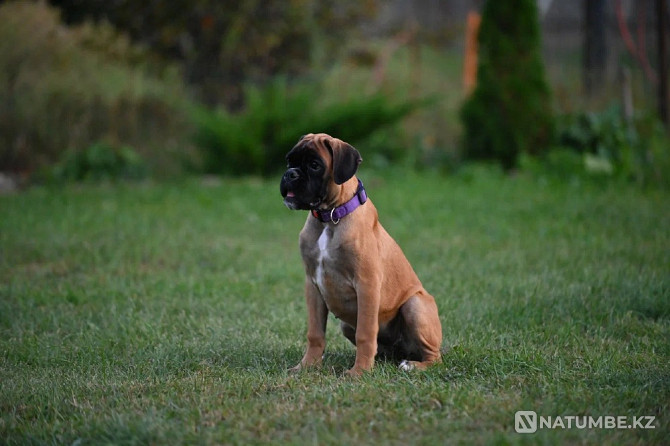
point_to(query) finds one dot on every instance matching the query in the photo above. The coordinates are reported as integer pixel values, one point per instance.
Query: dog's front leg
(367, 325)
(317, 314)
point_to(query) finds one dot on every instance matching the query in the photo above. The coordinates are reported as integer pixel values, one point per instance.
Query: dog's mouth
(290, 201)
(293, 202)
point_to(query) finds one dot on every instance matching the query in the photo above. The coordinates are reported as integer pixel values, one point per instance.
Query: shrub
(221, 44)
(61, 89)
(256, 140)
(509, 111)
(100, 161)
(602, 134)
(608, 145)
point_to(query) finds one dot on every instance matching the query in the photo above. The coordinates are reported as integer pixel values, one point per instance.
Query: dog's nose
(291, 174)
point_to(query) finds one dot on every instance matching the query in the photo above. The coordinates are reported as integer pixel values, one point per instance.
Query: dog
(354, 269)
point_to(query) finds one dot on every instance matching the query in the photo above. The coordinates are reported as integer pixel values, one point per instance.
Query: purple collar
(336, 214)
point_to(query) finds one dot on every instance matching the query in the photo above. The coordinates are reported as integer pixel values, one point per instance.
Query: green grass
(169, 313)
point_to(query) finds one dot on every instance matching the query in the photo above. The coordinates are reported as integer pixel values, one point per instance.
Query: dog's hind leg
(423, 331)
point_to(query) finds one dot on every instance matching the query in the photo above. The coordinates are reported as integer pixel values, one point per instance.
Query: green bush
(604, 134)
(611, 146)
(509, 112)
(221, 44)
(66, 88)
(562, 164)
(100, 162)
(604, 146)
(256, 140)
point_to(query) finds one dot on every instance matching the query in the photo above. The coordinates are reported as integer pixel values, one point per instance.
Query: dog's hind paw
(406, 365)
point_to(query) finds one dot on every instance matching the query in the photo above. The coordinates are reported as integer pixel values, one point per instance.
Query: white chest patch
(318, 278)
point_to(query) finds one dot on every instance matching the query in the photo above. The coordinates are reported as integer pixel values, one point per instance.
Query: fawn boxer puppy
(354, 268)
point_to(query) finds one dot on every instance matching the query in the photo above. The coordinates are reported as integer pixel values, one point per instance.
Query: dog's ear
(345, 159)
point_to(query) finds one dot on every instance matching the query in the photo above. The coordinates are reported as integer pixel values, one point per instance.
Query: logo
(528, 422)
(525, 422)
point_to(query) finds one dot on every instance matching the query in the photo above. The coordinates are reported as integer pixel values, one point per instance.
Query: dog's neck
(340, 195)
(349, 197)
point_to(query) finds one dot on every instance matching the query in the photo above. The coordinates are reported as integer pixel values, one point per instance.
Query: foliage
(100, 161)
(429, 136)
(561, 164)
(603, 134)
(222, 45)
(169, 314)
(604, 145)
(509, 112)
(61, 90)
(255, 140)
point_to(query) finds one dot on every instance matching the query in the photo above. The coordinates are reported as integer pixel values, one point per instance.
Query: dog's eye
(314, 165)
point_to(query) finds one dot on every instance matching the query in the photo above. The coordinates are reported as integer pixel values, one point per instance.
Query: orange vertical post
(471, 48)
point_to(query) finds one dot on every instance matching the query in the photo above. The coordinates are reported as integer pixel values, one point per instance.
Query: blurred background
(108, 89)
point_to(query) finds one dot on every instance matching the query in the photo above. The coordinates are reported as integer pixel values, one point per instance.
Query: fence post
(662, 29)
(595, 48)
(471, 49)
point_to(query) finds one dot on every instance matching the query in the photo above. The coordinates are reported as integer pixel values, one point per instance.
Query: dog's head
(317, 165)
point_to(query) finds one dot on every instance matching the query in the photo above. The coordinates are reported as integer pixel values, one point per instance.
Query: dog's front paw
(307, 363)
(355, 372)
(296, 369)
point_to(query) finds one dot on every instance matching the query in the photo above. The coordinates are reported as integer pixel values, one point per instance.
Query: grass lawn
(169, 313)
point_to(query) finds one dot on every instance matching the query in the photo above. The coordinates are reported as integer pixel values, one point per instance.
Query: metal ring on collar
(331, 217)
